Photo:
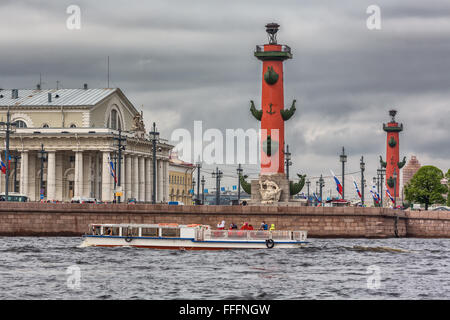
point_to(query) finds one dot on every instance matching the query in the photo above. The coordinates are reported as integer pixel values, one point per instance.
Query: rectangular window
(150, 232)
(170, 232)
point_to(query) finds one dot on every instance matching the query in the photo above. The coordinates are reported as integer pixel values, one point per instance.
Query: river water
(56, 268)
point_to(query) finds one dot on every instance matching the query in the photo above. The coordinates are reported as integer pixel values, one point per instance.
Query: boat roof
(154, 225)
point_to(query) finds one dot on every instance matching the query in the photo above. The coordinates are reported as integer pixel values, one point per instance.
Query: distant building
(78, 129)
(410, 170)
(180, 179)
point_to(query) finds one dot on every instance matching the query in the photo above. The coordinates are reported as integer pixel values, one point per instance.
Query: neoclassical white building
(77, 128)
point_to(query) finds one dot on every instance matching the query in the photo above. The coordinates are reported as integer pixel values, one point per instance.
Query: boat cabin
(197, 232)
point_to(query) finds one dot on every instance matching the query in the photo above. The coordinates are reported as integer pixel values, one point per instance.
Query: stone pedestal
(279, 179)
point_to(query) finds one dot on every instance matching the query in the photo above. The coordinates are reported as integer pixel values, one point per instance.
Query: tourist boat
(188, 237)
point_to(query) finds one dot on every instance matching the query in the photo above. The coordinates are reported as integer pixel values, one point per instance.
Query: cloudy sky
(181, 61)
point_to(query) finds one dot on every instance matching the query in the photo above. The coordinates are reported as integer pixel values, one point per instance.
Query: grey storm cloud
(181, 61)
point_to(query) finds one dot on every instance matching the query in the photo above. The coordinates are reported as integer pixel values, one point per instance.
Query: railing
(284, 48)
(251, 235)
(300, 235)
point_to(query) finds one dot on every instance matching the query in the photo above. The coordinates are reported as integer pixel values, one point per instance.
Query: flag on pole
(357, 190)
(338, 184)
(9, 162)
(389, 195)
(2, 165)
(112, 170)
(375, 195)
(318, 200)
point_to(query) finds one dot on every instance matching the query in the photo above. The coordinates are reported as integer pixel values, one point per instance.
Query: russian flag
(389, 195)
(356, 186)
(338, 184)
(9, 162)
(112, 170)
(2, 165)
(375, 195)
(318, 200)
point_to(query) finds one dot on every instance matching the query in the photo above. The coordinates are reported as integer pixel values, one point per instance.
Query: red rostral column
(272, 114)
(393, 163)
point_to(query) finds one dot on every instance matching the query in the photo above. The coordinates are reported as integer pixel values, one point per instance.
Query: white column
(122, 178)
(106, 178)
(32, 177)
(87, 175)
(135, 179)
(51, 175)
(148, 180)
(141, 179)
(96, 172)
(59, 175)
(128, 177)
(159, 181)
(24, 173)
(166, 180)
(78, 192)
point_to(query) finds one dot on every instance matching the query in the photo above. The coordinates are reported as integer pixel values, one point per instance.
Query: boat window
(170, 232)
(96, 230)
(150, 232)
(129, 231)
(115, 231)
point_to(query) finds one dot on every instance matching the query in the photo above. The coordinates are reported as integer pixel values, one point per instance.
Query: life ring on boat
(270, 243)
(128, 238)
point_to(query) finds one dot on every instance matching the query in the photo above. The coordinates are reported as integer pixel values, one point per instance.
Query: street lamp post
(362, 165)
(374, 179)
(8, 130)
(395, 187)
(203, 189)
(307, 186)
(42, 155)
(317, 186)
(287, 161)
(193, 188)
(343, 159)
(154, 137)
(321, 184)
(199, 165)
(218, 175)
(121, 143)
(381, 172)
(239, 171)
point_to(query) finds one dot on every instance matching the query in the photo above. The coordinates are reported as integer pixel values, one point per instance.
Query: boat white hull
(184, 244)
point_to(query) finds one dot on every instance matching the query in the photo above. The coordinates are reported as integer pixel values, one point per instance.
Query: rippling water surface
(37, 268)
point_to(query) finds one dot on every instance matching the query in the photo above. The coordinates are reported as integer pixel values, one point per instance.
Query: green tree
(425, 187)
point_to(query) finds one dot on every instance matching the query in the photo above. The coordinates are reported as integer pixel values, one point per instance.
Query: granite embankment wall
(37, 219)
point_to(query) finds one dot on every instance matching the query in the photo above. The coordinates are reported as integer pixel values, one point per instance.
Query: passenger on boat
(272, 227)
(221, 225)
(245, 226)
(233, 226)
(250, 227)
(264, 226)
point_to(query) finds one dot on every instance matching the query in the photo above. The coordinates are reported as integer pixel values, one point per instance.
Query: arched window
(73, 125)
(114, 120)
(45, 125)
(20, 124)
